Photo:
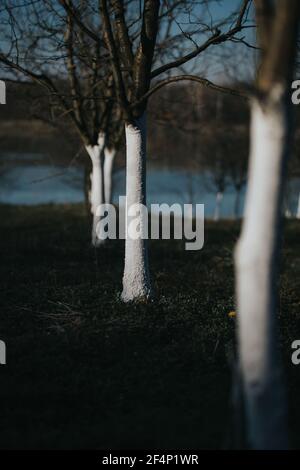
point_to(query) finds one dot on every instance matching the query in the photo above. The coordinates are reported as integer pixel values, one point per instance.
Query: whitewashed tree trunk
(136, 280)
(298, 208)
(109, 156)
(97, 184)
(219, 199)
(256, 262)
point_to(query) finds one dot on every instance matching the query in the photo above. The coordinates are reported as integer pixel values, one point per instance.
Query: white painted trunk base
(136, 280)
(219, 199)
(256, 261)
(97, 184)
(298, 208)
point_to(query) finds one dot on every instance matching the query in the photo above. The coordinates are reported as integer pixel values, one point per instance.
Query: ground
(85, 371)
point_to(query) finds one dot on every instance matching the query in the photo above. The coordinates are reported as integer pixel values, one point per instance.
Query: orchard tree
(237, 158)
(214, 160)
(257, 252)
(145, 41)
(44, 44)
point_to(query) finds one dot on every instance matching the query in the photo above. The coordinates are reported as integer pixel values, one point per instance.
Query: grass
(85, 371)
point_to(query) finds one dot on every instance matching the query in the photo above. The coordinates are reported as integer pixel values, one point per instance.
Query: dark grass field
(85, 371)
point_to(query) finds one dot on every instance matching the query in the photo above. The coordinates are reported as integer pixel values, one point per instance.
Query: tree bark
(219, 198)
(256, 261)
(97, 185)
(298, 208)
(136, 279)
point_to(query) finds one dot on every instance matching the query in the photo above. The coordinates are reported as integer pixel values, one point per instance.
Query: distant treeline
(189, 126)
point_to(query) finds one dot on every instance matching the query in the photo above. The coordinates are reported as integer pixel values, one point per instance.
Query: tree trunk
(219, 199)
(109, 156)
(298, 208)
(136, 279)
(97, 185)
(87, 188)
(256, 264)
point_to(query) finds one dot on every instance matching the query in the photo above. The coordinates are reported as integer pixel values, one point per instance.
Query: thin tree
(237, 163)
(47, 47)
(139, 55)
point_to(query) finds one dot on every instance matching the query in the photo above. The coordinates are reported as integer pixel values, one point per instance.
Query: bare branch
(216, 38)
(203, 81)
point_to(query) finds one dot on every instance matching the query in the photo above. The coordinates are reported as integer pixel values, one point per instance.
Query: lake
(32, 179)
